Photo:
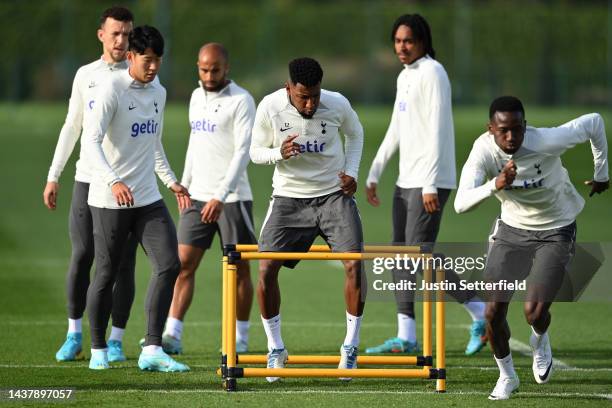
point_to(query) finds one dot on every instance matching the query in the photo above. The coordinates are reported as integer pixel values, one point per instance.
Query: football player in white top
(520, 165)
(115, 25)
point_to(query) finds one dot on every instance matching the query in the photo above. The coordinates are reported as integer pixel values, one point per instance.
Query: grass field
(34, 251)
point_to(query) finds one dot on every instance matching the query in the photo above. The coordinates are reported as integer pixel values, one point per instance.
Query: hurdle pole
(319, 256)
(335, 372)
(427, 318)
(331, 360)
(224, 317)
(440, 334)
(230, 329)
(324, 248)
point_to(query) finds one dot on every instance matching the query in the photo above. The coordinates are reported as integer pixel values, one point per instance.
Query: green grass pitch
(34, 252)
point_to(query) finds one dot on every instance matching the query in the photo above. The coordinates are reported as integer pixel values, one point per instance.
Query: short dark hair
(143, 37)
(116, 13)
(305, 71)
(420, 31)
(506, 104)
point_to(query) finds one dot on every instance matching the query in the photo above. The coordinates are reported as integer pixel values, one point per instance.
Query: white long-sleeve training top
(422, 127)
(122, 138)
(218, 153)
(314, 172)
(86, 82)
(542, 196)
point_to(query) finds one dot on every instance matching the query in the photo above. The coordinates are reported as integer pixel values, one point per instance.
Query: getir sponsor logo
(149, 127)
(202, 125)
(312, 147)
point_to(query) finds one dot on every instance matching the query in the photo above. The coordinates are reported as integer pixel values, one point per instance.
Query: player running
(536, 232)
(298, 130)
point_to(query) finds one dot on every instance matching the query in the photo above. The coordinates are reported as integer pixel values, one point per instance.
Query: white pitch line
(82, 365)
(356, 392)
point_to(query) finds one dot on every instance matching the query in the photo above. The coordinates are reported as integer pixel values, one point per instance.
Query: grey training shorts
(235, 225)
(292, 224)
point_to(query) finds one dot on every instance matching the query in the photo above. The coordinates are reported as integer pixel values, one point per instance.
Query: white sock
(272, 327)
(536, 334)
(75, 325)
(98, 351)
(476, 308)
(242, 330)
(174, 327)
(152, 349)
(353, 324)
(506, 366)
(406, 327)
(116, 334)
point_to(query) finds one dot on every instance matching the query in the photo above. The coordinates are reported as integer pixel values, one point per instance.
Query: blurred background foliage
(546, 52)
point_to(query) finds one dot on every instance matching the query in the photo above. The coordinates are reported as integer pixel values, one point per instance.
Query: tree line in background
(547, 52)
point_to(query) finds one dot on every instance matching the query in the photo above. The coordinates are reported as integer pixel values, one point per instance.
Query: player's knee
(352, 269)
(533, 313)
(244, 270)
(494, 315)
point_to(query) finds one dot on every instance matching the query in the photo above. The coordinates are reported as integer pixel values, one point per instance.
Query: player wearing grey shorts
(521, 166)
(543, 256)
(235, 225)
(292, 224)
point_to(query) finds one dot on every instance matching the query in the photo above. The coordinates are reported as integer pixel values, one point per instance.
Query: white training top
(86, 83)
(314, 172)
(422, 127)
(542, 196)
(122, 138)
(218, 152)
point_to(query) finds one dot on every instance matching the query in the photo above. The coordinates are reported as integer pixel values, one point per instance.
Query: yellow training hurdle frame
(230, 371)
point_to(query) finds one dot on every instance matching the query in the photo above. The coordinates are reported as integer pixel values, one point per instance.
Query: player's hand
(347, 183)
(50, 194)
(507, 176)
(597, 187)
(183, 198)
(371, 195)
(211, 211)
(431, 203)
(123, 194)
(289, 148)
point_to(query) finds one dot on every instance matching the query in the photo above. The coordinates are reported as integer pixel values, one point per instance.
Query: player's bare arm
(431, 203)
(348, 184)
(507, 176)
(289, 148)
(183, 198)
(212, 211)
(50, 194)
(123, 194)
(597, 187)
(371, 194)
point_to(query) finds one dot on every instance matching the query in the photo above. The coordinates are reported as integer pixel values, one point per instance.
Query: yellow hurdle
(230, 371)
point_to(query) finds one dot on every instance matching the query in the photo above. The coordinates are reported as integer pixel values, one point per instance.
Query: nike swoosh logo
(91, 86)
(131, 107)
(545, 376)
(282, 130)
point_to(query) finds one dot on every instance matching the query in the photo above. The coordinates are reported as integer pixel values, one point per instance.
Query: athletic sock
(272, 328)
(536, 334)
(242, 330)
(406, 328)
(353, 324)
(152, 349)
(75, 325)
(174, 327)
(116, 334)
(506, 366)
(476, 308)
